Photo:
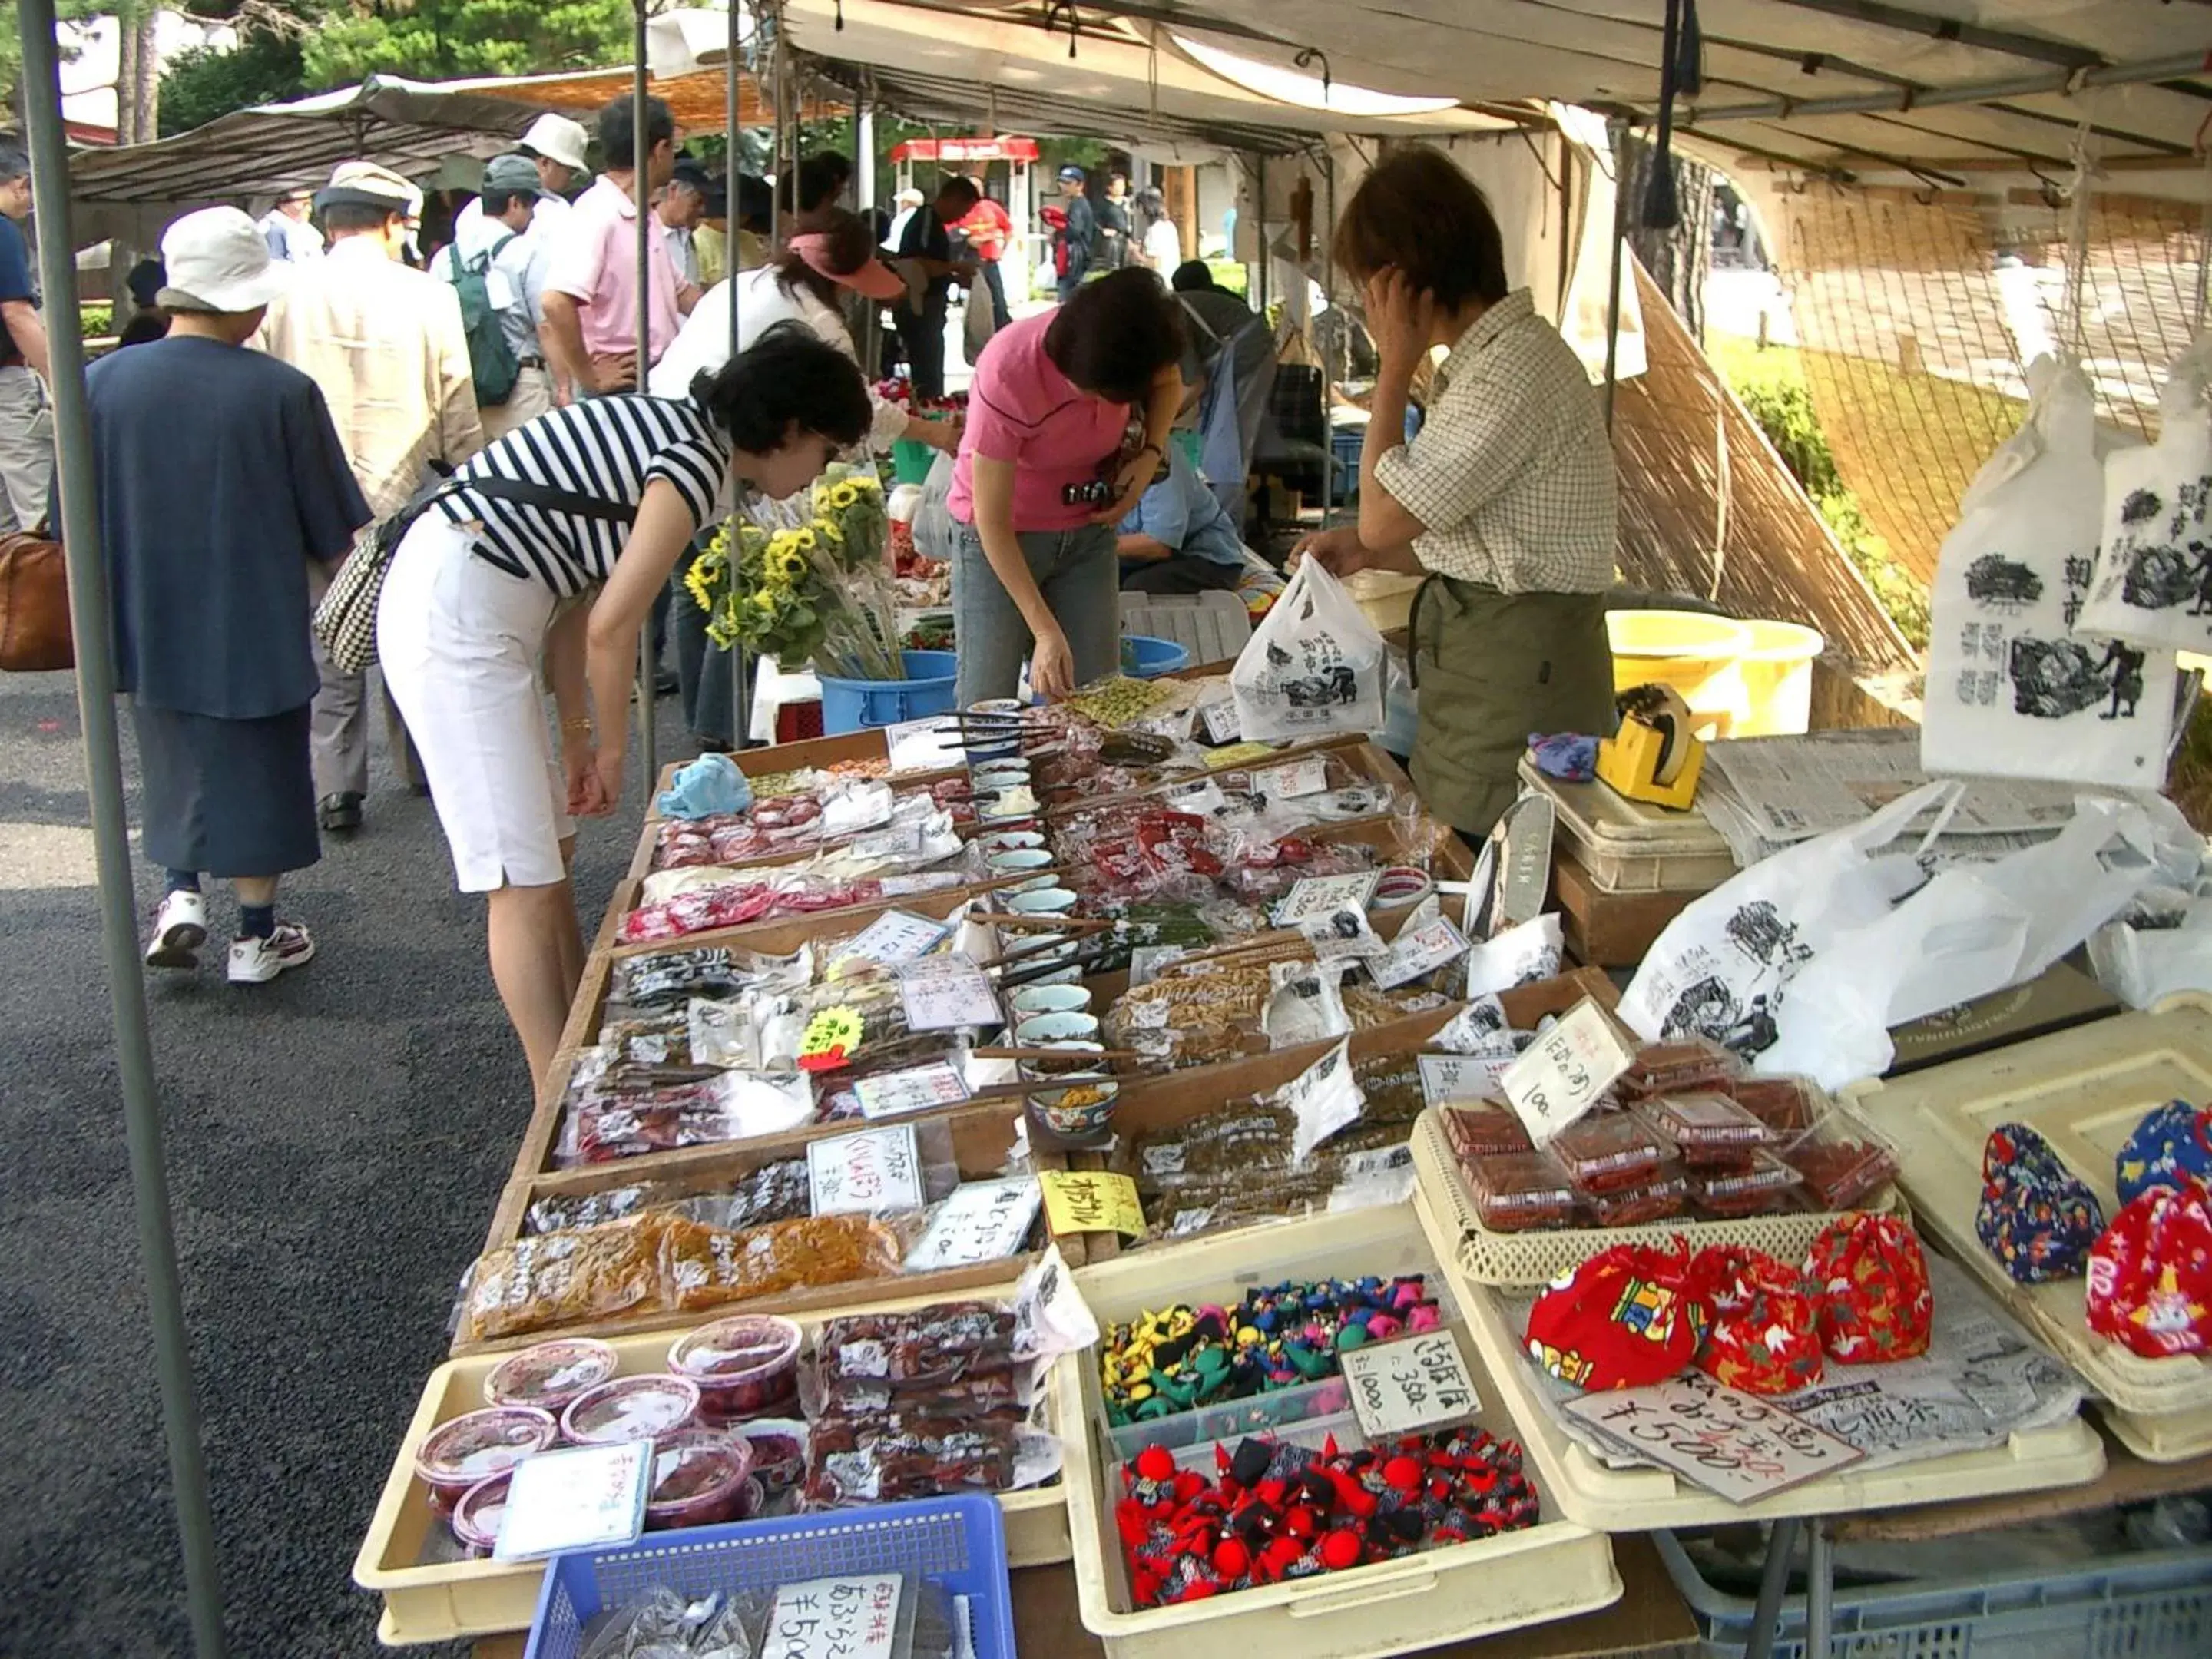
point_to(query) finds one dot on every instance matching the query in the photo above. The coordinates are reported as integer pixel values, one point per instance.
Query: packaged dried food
(550, 1375)
(457, 1454)
(779, 1446)
(630, 1408)
(706, 1267)
(1693, 1064)
(1663, 1195)
(564, 1212)
(733, 905)
(1483, 1128)
(926, 1345)
(1607, 1151)
(773, 1192)
(1237, 1143)
(1516, 1191)
(1709, 1130)
(1767, 1187)
(1787, 1105)
(890, 1459)
(1842, 1163)
(982, 1395)
(676, 976)
(699, 1477)
(563, 1278)
(744, 1366)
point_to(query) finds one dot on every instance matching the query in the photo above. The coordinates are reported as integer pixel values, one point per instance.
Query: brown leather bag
(34, 614)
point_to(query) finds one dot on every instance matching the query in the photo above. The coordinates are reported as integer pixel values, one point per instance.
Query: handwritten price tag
(1322, 896)
(1418, 951)
(945, 992)
(573, 1500)
(836, 1619)
(982, 1221)
(919, 1089)
(894, 937)
(1078, 1202)
(1462, 1077)
(924, 745)
(1727, 1441)
(871, 1173)
(1219, 720)
(1562, 1073)
(1307, 777)
(1410, 1386)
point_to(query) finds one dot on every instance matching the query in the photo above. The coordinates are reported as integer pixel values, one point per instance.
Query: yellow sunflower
(791, 565)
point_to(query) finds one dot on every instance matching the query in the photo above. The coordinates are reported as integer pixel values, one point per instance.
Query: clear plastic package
(477, 1517)
(1842, 1163)
(1690, 1066)
(1769, 1186)
(1709, 1130)
(551, 1374)
(631, 1408)
(746, 1365)
(1514, 1192)
(477, 1445)
(1787, 1105)
(699, 1477)
(936, 1344)
(1483, 1128)
(1665, 1194)
(1607, 1151)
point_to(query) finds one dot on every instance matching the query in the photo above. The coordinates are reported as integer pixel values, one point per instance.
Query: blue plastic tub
(960, 1542)
(853, 705)
(1145, 658)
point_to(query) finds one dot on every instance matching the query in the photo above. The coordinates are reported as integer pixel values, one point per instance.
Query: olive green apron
(1494, 669)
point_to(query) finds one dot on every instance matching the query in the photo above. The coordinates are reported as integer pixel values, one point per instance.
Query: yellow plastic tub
(1700, 656)
(1777, 678)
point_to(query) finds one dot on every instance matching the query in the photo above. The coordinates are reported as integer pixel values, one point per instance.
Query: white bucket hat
(217, 259)
(556, 138)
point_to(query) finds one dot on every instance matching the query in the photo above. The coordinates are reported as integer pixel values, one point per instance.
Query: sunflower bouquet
(821, 588)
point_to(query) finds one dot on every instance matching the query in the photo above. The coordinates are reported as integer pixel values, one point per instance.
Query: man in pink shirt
(1044, 475)
(590, 282)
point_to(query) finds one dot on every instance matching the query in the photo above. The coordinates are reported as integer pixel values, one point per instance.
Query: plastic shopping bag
(2154, 582)
(2159, 944)
(981, 323)
(932, 525)
(2013, 691)
(1314, 666)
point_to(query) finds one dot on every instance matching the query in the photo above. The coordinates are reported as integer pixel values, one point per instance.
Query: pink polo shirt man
(594, 262)
(1021, 410)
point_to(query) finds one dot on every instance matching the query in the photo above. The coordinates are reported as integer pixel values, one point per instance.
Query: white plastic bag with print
(2013, 690)
(932, 525)
(1726, 967)
(2154, 584)
(1314, 666)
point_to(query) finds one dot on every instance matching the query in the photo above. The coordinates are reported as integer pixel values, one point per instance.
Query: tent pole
(649, 766)
(1336, 369)
(1613, 275)
(741, 688)
(89, 612)
(1259, 226)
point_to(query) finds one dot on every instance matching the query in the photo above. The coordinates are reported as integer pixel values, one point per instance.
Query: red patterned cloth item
(1627, 1317)
(1871, 1281)
(1765, 1337)
(2150, 1275)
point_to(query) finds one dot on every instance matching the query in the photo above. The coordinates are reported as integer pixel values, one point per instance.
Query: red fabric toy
(1627, 1317)
(1765, 1337)
(2151, 1275)
(1872, 1284)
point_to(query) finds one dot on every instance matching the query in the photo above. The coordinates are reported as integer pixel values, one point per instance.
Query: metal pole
(1260, 228)
(1613, 276)
(741, 691)
(1820, 1588)
(89, 612)
(1335, 369)
(649, 769)
(1773, 1579)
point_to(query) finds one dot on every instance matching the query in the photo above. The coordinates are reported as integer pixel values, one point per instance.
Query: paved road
(336, 1142)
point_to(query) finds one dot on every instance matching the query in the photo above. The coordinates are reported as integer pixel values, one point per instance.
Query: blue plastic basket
(927, 689)
(1145, 658)
(960, 1542)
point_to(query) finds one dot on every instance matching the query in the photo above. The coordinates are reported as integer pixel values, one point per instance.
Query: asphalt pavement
(336, 1142)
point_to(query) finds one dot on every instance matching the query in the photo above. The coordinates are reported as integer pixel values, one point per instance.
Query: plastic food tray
(2084, 1090)
(2172, 1438)
(956, 1541)
(1550, 1571)
(442, 1601)
(1540, 1256)
(2157, 1605)
(1631, 846)
(1639, 1499)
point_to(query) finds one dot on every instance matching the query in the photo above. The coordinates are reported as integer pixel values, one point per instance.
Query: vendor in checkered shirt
(1505, 501)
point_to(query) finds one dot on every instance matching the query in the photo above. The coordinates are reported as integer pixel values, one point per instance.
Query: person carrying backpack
(497, 264)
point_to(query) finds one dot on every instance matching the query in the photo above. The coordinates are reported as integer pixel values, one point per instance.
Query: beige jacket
(384, 343)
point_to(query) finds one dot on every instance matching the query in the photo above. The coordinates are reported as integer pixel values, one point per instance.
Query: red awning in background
(978, 149)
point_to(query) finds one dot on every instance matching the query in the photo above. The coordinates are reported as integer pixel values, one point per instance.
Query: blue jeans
(1079, 576)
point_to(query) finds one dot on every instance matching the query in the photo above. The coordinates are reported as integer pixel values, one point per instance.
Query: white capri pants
(460, 639)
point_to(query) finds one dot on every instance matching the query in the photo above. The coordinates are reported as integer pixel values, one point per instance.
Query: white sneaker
(258, 961)
(179, 930)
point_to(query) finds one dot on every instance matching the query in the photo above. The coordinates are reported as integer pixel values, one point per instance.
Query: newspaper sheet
(1982, 1379)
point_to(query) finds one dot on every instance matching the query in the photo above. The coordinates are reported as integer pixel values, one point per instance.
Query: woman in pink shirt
(1045, 471)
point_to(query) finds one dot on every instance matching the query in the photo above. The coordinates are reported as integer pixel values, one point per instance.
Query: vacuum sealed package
(1314, 666)
(604, 1120)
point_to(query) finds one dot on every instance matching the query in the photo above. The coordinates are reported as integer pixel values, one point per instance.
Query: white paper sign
(1318, 895)
(871, 1173)
(1174, 726)
(1418, 951)
(893, 1094)
(982, 1221)
(853, 1618)
(1483, 1027)
(1561, 1075)
(1308, 776)
(579, 1497)
(897, 936)
(1324, 1098)
(1726, 1441)
(1519, 956)
(944, 991)
(901, 840)
(1219, 720)
(1343, 935)
(1410, 1386)
(924, 745)
(1147, 960)
(1462, 1076)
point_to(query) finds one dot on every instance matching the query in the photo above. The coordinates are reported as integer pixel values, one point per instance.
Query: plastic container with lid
(744, 1366)
(1515, 1191)
(1608, 1153)
(477, 1445)
(1768, 1186)
(779, 1446)
(699, 1477)
(1842, 1163)
(1709, 1130)
(477, 1515)
(1787, 1105)
(1663, 1196)
(631, 1408)
(1483, 1128)
(1687, 1066)
(551, 1374)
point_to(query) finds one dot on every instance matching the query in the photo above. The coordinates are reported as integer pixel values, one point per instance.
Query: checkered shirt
(1512, 471)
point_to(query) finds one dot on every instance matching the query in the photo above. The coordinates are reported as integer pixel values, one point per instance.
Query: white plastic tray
(1631, 846)
(2084, 1090)
(1550, 1570)
(445, 1601)
(1639, 1499)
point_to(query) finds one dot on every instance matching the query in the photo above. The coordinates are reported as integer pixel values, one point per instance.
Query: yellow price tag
(830, 1038)
(1083, 1202)
(1237, 754)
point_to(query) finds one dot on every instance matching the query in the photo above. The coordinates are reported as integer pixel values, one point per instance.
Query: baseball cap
(1071, 174)
(364, 184)
(556, 138)
(512, 175)
(909, 197)
(873, 278)
(217, 260)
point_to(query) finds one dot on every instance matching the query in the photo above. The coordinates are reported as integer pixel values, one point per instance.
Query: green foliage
(96, 317)
(429, 39)
(1772, 387)
(11, 50)
(200, 83)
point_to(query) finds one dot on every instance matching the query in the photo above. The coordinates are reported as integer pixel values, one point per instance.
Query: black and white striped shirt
(606, 448)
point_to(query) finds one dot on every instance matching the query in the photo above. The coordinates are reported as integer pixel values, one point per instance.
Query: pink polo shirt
(1023, 409)
(593, 261)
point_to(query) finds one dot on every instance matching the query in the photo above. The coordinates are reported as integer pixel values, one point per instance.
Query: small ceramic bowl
(1022, 861)
(1042, 951)
(1042, 1029)
(1050, 999)
(1041, 901)
(1068, 1056)
(1084, 1107)
(1010, 841)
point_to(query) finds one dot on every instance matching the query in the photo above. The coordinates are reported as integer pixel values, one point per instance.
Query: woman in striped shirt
(554, 541)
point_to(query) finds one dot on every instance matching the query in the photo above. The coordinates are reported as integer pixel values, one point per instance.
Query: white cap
(220, 258)
(557, 139)
(909, 198)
